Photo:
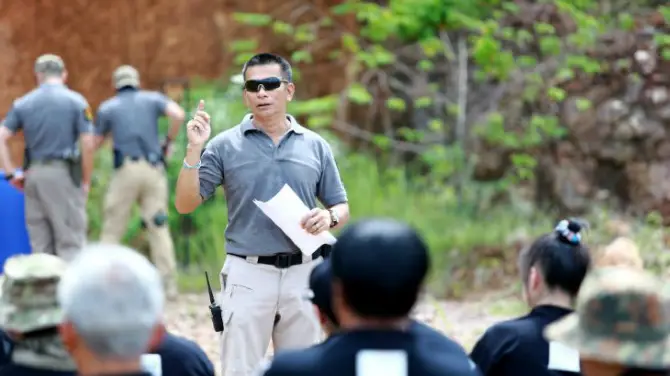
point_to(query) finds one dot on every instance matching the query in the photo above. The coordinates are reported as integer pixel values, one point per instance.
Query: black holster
(118, 159)
(75, 170)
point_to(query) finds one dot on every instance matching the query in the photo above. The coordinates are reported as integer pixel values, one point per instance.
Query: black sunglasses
(267, 84)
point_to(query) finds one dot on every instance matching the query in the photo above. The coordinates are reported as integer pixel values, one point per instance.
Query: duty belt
(285, 260)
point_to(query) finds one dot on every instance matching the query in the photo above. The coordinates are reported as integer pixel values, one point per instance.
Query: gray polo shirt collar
(248, 125)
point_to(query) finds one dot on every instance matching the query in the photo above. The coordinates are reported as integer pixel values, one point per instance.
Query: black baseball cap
(320, 284)
(381, 264)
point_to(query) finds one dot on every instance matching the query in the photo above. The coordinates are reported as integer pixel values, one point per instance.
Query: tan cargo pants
(55, 210)
(251, 296)
(140, 182)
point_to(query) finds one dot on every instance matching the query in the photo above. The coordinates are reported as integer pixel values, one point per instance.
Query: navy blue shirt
(518, 347)
(179, 357)
(428, 353)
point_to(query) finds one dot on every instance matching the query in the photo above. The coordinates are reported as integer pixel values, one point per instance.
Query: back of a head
(381, 265)
(49, 65)
(126, 76)
(113, 297)
(561, 257)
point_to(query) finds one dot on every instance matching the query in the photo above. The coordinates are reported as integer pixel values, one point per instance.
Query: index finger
(201, 105)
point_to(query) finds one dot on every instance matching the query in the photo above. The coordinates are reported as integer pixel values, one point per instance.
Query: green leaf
(282, 28)
(301, 56)
(527, 61)
(426, 65)
(319, 121)
(304, 34)
(626, 21)
(381, 141)
(556, 94)
(243, 45)
(431, 46)
(358, 94)
(544, 28)
(436, 125)
(583, 104)
(396, 104)
(350, 42)
(550, 45)
(423, 102)
(252, 19)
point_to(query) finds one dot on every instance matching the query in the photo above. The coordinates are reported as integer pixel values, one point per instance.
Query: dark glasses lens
(267, 84)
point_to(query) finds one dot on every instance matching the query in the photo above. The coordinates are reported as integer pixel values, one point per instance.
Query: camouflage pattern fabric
(622, 316)
(28, 300)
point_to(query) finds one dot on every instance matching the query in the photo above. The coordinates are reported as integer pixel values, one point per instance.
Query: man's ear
(157, 337)
(290, 89)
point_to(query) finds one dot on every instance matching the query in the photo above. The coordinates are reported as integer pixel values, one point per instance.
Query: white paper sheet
(286, 210)
(563, 358)
(152, 364)
(382, 363)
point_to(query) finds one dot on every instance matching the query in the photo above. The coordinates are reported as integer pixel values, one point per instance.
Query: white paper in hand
(286, 210)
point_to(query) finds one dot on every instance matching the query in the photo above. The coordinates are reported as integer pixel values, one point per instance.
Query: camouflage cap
(28, 301)
(622, 316)
(126, 75)
(49, 64)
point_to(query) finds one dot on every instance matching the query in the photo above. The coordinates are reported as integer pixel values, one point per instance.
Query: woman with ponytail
(552, 270)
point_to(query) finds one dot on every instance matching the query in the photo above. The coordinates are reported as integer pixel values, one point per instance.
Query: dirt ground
(463, 320)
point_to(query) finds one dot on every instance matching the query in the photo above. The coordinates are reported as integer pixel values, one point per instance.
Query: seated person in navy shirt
(321, 295)
(552, 270)
(378, 267)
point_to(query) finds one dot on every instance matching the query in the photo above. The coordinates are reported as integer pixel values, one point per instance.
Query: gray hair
(114, 298)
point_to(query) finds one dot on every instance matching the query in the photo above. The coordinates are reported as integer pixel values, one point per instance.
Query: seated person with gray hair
(112, 300)
(177, 355)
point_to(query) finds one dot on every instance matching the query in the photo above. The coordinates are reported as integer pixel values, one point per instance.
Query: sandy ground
(462, 320)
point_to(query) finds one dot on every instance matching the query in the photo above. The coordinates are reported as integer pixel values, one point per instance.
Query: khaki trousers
(140, 182)
(251, 296)
(55, 211)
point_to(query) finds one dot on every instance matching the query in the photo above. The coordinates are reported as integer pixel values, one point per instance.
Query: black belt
(285, 260)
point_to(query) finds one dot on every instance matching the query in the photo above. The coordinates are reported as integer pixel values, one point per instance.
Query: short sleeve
(13, 121)
(330, 189)
(84, 118)
(160, 102)
(102, 123)
(492, 348)
(211, 170)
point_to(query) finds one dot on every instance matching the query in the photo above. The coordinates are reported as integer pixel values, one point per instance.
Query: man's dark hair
(381, 265)
(269, 59)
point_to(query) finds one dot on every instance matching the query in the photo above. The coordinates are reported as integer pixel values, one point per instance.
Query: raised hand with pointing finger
(198, 129)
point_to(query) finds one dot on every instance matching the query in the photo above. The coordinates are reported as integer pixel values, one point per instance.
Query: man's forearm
(342, 211)
(87, 158)
(6, 158)
(187, 192)
(175, 125)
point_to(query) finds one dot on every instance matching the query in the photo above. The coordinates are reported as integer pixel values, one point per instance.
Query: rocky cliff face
(620, 146)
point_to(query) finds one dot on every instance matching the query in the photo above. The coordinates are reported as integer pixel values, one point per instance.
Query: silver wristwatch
(334, 219)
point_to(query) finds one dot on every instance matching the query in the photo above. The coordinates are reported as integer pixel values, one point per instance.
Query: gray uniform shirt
(248, 165)
(52, 117)
(132, 118)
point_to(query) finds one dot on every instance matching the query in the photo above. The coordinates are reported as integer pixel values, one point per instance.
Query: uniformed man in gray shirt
(58, 132)
(264, 279)
(131, 119)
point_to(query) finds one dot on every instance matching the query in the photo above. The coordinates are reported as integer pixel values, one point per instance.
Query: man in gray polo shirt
(58, 131)
(131, 119)
(264, 282)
